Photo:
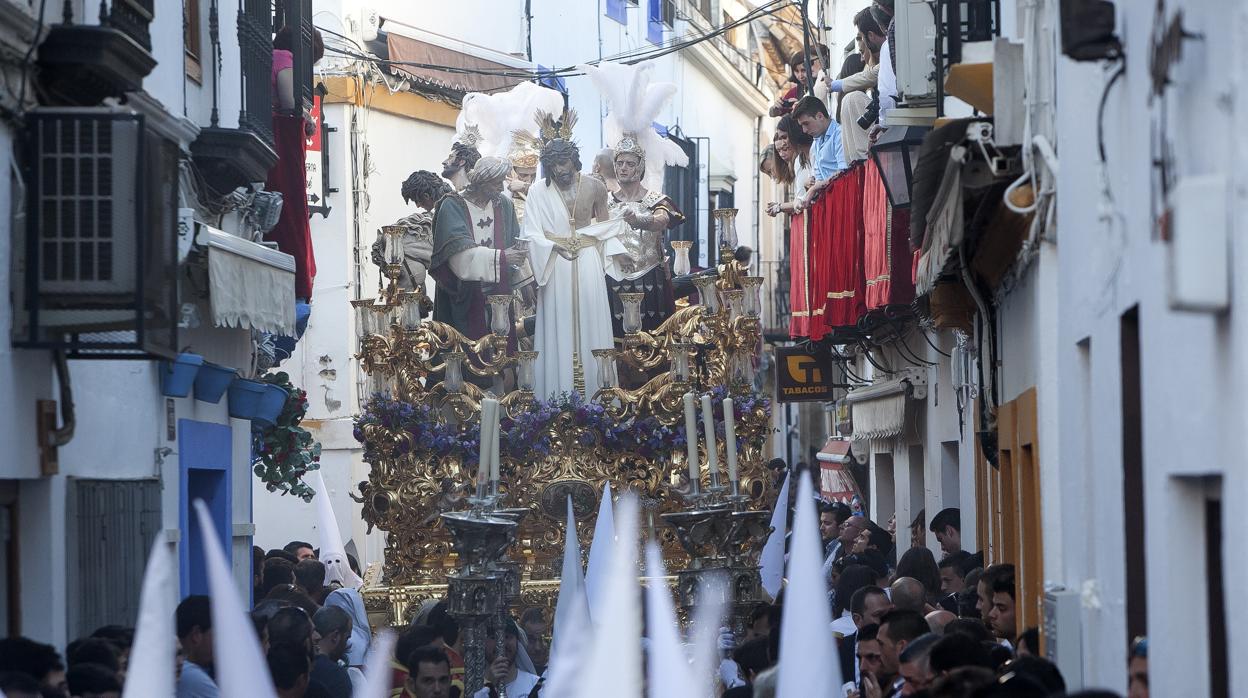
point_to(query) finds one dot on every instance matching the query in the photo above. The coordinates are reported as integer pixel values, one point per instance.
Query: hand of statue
(498, 671)
(773, 209)
(566, 254)
(631, 218)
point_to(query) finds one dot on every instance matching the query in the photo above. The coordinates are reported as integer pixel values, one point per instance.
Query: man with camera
(859, 109)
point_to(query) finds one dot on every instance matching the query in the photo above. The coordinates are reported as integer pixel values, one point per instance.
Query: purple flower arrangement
(529, 435)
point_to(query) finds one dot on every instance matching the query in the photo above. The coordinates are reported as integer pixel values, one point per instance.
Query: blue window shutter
(654, 21)
(615, 10)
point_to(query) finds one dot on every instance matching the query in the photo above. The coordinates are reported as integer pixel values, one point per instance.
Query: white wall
(1191, 363)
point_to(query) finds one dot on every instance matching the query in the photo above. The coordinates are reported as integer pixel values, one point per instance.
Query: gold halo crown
(549, 128)
(470, 136)
(629, 144)
(522, 153)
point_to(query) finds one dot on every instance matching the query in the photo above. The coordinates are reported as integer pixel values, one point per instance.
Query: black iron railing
(133, 17)
(776, 309)
(298, 16)
(255, 32)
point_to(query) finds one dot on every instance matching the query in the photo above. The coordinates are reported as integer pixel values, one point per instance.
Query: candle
(691, 438)
(730, 439)
(496, 448)
(708, 424)
(484, 452)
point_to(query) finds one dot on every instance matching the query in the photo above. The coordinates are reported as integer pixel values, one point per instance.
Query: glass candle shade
(380, 383)
(680, 361)
(607, 376)
(753, 287)
(392, 238)
(632, 311)
(680, 263)
(726, 226)
(526, 366)
(364, 324)
(500, 315)
(410, 313)
(735, 299)
(453, 378)
(708, 295)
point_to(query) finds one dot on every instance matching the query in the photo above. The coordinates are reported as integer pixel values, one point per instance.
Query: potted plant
(212, 381)
(283, 451)
(244, 398)
(177, 376)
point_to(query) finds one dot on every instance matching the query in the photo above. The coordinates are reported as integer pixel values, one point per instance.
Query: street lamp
(896, 154)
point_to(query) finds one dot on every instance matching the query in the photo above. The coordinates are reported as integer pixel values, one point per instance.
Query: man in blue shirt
(826, 153)
(194, 628)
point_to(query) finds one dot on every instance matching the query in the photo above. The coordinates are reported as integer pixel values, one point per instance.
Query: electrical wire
(932, 345)
(627, 57)
(1100, 112)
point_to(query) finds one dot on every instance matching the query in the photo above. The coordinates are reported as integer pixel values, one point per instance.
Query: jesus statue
(573, 246)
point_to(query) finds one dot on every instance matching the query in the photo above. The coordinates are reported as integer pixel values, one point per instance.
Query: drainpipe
(62, 436)
(758, 193)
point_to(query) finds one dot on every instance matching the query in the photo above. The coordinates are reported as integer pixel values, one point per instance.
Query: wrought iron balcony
(83, 64)
(776, 309)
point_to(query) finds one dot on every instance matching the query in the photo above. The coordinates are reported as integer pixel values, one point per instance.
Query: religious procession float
(569, 351)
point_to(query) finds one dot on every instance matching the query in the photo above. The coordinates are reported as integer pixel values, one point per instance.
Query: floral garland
(528, 435)
(284, 452)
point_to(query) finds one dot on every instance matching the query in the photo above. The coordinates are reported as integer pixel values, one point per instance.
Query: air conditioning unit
(1063, 634)
(85, 193)
(96, 240)
(915, 34)
(370, 23)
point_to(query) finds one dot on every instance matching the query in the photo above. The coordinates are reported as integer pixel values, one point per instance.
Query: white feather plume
(633, 103)
(497, 115)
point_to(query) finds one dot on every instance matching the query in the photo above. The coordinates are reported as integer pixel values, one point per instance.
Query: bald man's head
(908, 594)
(937, 620)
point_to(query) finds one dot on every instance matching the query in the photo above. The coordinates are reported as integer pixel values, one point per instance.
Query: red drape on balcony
(886, 245)
(838, 267)
(799, 277)
(292, 233)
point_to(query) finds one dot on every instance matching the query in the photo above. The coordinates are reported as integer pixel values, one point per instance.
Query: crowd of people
(909, 624)
(904, 623)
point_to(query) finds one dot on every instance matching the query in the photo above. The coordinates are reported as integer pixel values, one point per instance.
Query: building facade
(106, 452)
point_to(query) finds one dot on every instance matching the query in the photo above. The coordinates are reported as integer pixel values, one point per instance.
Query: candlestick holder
(478, 591)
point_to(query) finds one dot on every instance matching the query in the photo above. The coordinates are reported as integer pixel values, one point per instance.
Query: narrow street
(623, 348)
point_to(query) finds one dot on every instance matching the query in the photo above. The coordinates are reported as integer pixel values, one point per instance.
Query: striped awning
(879, 411)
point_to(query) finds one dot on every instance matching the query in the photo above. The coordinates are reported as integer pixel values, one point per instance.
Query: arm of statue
(476, 264)
(599, 192)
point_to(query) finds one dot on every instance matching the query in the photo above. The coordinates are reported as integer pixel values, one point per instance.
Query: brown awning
(407, 50)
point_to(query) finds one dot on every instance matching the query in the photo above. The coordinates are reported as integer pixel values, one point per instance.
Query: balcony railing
(255, 31)
(776, 309)
(133, 17)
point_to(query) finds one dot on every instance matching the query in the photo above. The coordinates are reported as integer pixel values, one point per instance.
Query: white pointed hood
(241, 669)
(771, 560)
(668, 672)
(377, 673)
(153, 655)
(808, 655)
(571, 629)
(613, 668)
(333, 554)
(600, 548)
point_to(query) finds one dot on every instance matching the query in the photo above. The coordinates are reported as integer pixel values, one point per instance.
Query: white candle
(730, 439)
(484, 452)
(496, 447)
(708, 424)
(691, 439)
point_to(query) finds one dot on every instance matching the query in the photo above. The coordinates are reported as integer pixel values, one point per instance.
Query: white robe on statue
(546, 216)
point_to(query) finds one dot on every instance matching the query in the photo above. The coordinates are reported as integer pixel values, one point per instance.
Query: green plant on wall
(284, 452)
